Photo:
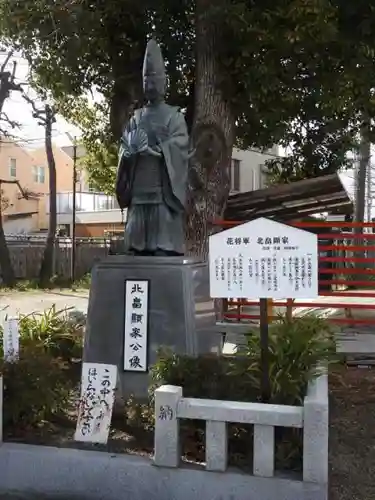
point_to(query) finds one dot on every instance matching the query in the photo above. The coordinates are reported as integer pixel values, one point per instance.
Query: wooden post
(289, 310)
(264, 361)
(269, 309)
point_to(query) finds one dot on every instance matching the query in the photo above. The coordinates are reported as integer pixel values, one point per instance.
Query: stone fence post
(315, 432)
(167, 428)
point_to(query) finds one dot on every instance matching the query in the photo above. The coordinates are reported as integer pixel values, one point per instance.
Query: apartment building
(22, 215)
(98, 214)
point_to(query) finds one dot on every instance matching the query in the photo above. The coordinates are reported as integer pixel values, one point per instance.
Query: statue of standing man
(153, 168)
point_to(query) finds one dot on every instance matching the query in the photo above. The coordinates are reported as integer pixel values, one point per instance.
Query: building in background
(97, 214)
(248, 169)
(30, 168)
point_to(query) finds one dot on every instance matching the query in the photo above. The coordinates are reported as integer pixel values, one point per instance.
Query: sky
(31, 135)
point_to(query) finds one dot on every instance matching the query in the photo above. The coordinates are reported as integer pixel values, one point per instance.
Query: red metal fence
(346, 273)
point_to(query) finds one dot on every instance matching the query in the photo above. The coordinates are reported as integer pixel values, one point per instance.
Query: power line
(30, 140)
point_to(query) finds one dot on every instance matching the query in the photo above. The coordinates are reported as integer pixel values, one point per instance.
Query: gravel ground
(352, 434)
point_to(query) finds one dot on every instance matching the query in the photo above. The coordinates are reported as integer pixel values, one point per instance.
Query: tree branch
(37, 113)
(4, 65)
(26, 194)
(5, 118)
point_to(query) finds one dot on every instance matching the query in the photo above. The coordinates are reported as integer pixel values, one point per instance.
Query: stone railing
(170, 406)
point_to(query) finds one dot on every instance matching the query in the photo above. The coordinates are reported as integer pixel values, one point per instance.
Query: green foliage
(36, 387)
(56, 332)
(296, 72)
(39, 385)
(100, 161)
(295, 350)
(53, 331)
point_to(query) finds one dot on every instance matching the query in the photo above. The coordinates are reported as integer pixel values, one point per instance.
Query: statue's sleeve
(125, 168)
(175, 149)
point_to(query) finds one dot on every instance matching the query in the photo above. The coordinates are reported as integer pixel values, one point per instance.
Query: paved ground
(357, 338)
(352, 339)
(14, 303)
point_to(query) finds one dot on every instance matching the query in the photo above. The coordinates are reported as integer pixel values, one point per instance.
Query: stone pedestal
(181, 314)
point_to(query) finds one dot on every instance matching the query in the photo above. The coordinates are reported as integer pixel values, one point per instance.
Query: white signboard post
(264, 259)
(136, 326)
(11, 340)
(98, 386)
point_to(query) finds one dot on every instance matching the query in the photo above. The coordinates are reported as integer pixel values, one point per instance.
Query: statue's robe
(154, 189)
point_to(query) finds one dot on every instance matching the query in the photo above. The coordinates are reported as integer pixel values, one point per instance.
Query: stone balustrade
(171, 406)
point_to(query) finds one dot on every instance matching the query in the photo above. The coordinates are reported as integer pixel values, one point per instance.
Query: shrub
(39, 384)
(295, 350)
(57, 332)
(36, 388)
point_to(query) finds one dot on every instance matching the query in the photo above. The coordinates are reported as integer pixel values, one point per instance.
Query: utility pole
(360, 192)
(74, 180)
(361, 177)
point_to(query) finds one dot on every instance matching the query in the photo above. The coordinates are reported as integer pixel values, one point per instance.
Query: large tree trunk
(124, 100)
(46, 269)
(212, 136)
(7, 271)
(6, 84)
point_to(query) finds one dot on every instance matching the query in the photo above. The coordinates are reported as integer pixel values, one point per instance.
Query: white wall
(252, 162)
(97, 217)
(22, 225)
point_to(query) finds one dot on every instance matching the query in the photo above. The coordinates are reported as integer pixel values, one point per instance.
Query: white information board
(11, 342)
(98, 386)
(263, 259)
(136, 326)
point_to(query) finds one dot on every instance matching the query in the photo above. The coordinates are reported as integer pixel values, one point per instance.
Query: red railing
(334, 281)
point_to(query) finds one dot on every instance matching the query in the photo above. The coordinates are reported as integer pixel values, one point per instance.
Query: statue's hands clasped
(136, 142)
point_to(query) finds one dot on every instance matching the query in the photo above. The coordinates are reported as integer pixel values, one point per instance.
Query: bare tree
(46, 118)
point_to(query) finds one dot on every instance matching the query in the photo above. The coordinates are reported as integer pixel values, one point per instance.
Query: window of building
(39, 174)
(12, 167)
(235, 175)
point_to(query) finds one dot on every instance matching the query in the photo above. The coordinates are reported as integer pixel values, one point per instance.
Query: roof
(291, 201)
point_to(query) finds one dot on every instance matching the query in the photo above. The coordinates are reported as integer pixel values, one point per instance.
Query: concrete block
(216, 446)
(247, 413)
(181, 314)
(264, 450)
(315, 432)
(167, 428)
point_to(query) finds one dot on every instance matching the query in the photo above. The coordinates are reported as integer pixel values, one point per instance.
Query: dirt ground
(352, 434)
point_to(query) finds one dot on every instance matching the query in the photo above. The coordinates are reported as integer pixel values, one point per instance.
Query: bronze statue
(153, 168)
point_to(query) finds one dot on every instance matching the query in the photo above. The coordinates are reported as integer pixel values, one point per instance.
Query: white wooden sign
(11, 339)
(98, 386)
(263, 259)
(136, 326)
